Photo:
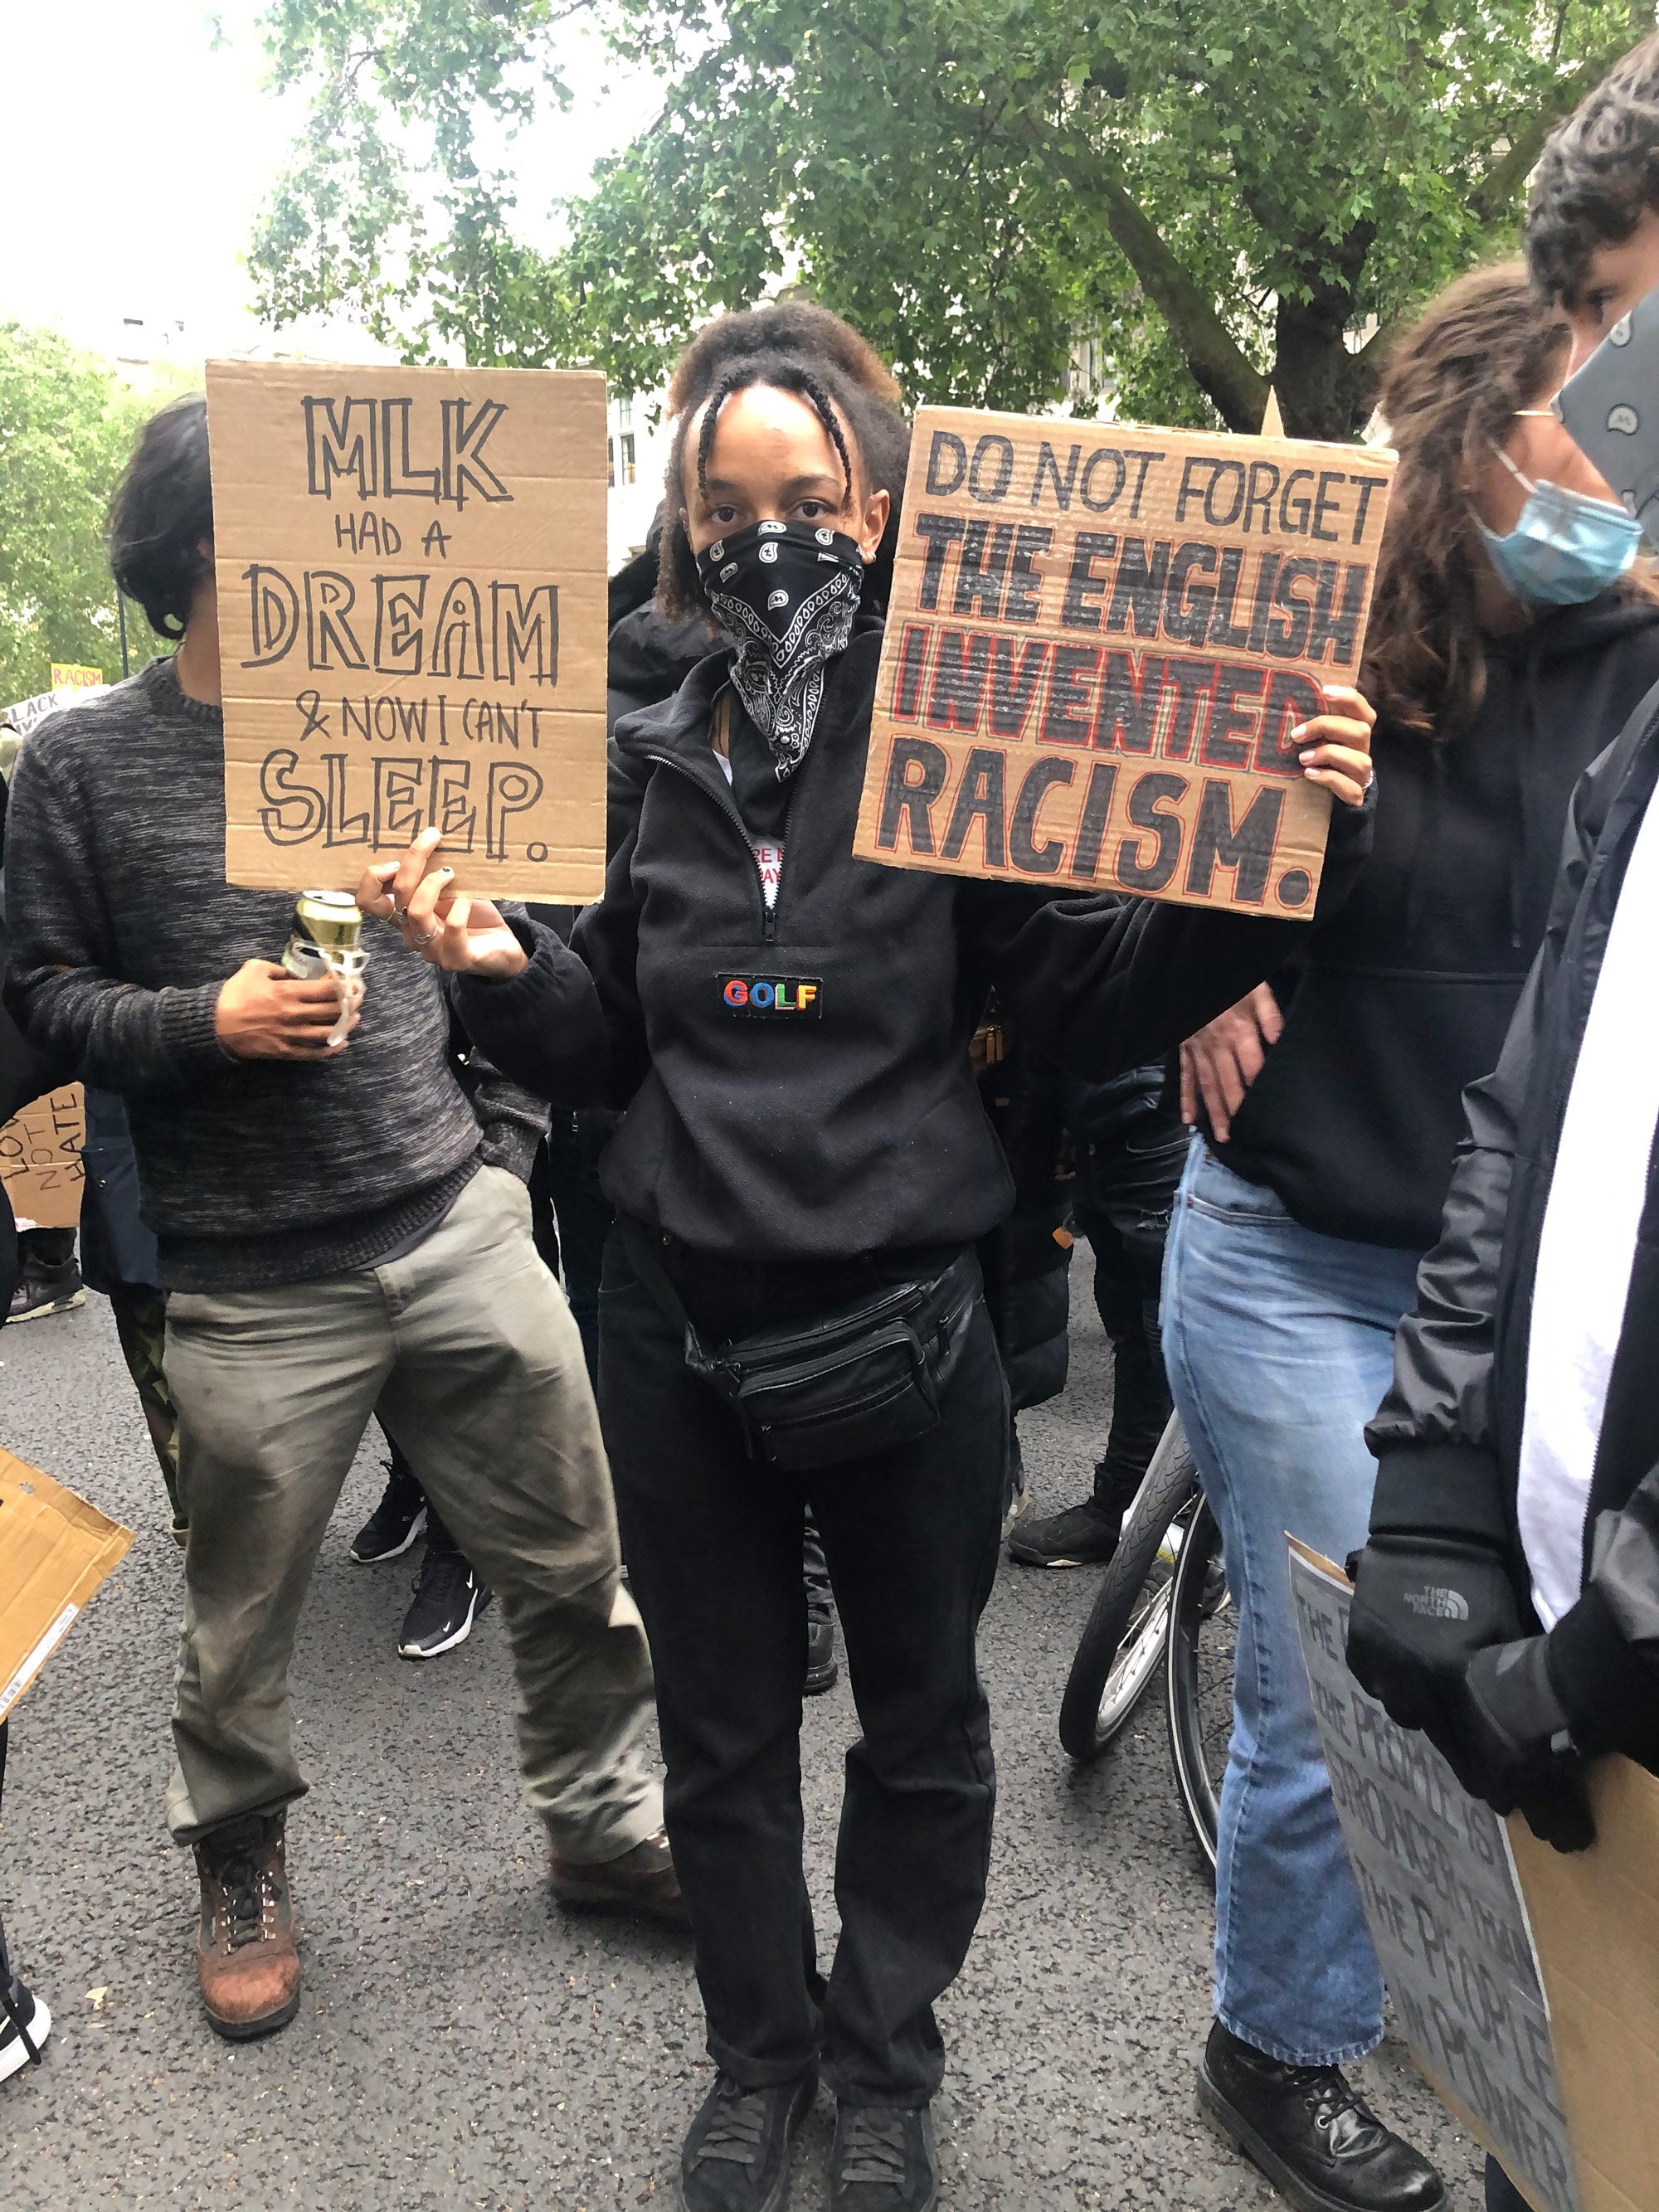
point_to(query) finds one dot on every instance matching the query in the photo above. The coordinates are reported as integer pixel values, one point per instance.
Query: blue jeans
(1280, 1343)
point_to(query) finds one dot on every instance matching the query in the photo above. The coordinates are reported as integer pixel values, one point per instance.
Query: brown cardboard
(1596, 1920)
(55, 1550)
(1099, 640)
(412, 604)
(40, 1164)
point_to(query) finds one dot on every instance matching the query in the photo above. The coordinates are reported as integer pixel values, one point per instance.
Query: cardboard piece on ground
(412, 618)
(1596, 1917)
(41, 1169)
(1099, 640)
(1445, 1909)
(55, 1549)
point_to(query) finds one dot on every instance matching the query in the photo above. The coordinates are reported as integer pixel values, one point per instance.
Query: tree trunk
(1324, 391)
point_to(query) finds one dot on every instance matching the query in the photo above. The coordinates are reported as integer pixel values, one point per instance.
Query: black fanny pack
(857, 1381)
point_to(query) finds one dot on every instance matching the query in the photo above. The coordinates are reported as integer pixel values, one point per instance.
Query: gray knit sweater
(123, 928)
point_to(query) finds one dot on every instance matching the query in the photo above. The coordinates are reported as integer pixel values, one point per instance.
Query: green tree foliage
(1224, 194)
(67, 424)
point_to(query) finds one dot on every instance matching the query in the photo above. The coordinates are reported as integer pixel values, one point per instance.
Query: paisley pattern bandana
(786, 594)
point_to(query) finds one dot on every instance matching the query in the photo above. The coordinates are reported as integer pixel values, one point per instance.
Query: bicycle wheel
(1198, 1674)
(1117, 1654)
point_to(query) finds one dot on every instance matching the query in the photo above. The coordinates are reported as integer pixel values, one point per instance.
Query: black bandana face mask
(785, 594)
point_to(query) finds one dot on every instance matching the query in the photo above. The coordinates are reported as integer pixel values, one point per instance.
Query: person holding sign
(341, 1231)
(1502, 659)
(800, 1173)
(1507, 1600)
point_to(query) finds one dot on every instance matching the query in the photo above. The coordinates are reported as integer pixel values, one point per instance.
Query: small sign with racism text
(1099, 643)
(411, 581)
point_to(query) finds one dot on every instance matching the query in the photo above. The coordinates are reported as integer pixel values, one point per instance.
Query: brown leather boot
(642, 1880)
(245, 1963)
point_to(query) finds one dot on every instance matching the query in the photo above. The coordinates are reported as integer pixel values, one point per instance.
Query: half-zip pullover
(797, 1081)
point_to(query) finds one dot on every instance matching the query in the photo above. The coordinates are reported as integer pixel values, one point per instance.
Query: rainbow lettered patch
(775, 996)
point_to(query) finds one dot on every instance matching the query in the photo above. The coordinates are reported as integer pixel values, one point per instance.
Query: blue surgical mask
(1566, 547)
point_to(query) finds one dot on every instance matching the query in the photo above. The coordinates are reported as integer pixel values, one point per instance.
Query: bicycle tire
(1198, 1678)
(1100, 1695)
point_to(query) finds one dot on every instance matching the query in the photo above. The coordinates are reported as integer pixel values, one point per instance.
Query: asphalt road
(460, 2043)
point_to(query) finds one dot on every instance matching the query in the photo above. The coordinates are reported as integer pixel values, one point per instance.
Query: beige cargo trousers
(467, 1349)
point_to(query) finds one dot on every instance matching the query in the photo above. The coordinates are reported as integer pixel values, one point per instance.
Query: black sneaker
(25, 2023)
(822, 1669)
(1310, 2132)
(448, 1599)
(736, 2157)
(396, 1522)
(882, 2159)
(47, 1291)
(1082, 1536)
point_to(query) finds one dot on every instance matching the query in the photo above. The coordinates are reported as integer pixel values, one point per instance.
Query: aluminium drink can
(326, 938)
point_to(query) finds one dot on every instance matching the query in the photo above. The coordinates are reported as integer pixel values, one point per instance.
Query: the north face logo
(1437, 1604)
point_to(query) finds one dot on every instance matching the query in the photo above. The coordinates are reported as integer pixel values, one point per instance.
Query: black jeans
(1501, 2195)
(1121, 1202)
(713, 1539)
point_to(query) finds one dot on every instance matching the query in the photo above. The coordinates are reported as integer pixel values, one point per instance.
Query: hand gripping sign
(1099, 643)
(412, 573)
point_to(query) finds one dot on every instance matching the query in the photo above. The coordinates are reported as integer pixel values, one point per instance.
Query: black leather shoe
(1315, 2136)
(821, 1666)
(882, 2159)
(736, 2157)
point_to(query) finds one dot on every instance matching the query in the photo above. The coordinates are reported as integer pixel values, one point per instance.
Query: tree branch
(1495, 194)
(1218, 363)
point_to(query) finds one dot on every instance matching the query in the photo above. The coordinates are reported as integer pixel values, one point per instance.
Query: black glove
(1518, 1746)
(1422, 1607)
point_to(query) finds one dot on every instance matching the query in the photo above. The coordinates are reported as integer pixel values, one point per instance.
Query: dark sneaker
(396, 1522)
(247, 1965)
(882, 2159)
(448, 1599)
(1310, 2132)
(736, 2157)
(47, 1291)
(821, 1665)
(25, 2023)
(642, 1880)
(1082, 1536)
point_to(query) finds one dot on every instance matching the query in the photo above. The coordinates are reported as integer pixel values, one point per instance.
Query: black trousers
(1121, 1202)
(713, 1539)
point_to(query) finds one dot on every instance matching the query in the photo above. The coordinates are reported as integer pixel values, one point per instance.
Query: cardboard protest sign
(40, 1165)
(1099, 642)
(55, 1550)
(76, 675)
(1445, 1909)
(1595, 1915)
(411, 574)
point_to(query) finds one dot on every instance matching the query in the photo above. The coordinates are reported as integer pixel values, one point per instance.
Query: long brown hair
(1487, 346)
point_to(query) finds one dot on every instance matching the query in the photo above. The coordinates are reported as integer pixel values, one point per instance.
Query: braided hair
(823, 361)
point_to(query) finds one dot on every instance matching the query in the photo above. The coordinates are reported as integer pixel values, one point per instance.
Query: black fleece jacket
(855, 1127)
(1404, 1000)
(1448, 1434)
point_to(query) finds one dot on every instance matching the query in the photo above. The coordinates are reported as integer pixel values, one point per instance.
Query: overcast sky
(138, 153)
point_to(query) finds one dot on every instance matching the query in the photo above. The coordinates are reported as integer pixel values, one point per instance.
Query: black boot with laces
(736, 2157)
(1311, 2132)
(882, 2159)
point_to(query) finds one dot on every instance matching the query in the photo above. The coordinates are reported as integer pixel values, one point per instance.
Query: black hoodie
(1406, 996)
(853, 1125)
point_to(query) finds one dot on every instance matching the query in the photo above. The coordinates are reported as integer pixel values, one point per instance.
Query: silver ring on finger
(416, 942)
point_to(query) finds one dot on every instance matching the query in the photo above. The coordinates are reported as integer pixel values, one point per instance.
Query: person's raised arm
(1102, 985)
(563, 1020)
